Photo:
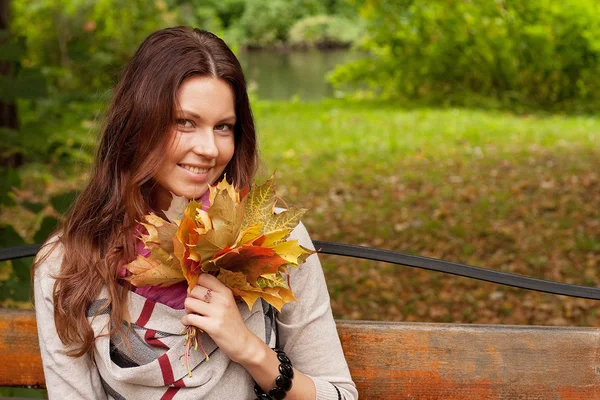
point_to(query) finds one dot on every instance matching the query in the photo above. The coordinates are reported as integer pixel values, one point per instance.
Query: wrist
(283, 382)
(255, 353)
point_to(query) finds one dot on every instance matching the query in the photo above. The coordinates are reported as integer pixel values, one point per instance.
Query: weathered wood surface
(451, 361)
(20, 360)
(410, 360)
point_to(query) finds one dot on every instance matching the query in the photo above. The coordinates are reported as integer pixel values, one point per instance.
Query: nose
(205, 144)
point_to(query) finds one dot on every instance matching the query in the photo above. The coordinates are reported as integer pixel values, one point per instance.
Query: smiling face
(203, 140)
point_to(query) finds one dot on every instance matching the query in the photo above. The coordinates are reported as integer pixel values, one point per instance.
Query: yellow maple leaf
(278, 296)
(160, 233)
(225, 213)
(260, 210)
(292, 252)
(160, 268)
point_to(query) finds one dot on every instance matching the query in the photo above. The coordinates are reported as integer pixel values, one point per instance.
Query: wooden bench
(398, 360)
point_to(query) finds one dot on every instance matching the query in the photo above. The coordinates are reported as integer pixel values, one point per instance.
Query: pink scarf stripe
(150, 338)
(146, 313)
(166, 369)
(170, 393)
(179, 383)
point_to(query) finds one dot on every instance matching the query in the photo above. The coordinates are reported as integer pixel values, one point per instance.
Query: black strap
(13, 253)
(482, 274)
(432, 264)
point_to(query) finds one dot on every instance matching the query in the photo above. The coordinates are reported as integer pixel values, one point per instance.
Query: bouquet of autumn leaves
(239, 239)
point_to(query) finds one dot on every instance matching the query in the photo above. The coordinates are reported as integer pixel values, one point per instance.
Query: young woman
(179, 120)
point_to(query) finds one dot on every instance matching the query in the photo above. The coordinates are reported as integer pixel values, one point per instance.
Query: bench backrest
(397, 360)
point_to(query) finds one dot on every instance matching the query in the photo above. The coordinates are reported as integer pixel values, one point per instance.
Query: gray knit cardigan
(154, 370)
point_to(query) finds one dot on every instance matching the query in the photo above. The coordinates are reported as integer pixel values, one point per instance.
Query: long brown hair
(97, 233)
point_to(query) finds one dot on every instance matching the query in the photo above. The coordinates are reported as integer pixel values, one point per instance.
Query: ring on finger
(208, 295)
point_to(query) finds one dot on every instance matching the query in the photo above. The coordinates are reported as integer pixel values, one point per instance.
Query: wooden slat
(20, 360)
(451, 361)
(410, 360)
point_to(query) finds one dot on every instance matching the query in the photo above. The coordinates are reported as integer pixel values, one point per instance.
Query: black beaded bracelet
(283, 382)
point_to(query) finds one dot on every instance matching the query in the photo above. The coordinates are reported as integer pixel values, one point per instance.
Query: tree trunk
(8, 111)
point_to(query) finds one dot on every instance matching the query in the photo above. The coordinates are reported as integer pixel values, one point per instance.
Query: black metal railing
(431, 264)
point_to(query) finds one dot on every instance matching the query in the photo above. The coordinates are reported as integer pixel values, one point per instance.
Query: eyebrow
(197, 116)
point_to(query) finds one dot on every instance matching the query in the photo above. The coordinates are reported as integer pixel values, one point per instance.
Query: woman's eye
(224, 127)
(185, 123)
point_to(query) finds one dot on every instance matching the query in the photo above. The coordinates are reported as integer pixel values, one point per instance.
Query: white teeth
(195, 170)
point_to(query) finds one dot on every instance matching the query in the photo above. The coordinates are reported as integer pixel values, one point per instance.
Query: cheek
(226, 150)
(174, 149)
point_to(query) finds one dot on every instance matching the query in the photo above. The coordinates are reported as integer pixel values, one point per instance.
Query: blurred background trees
(464, 130)
(541, 53)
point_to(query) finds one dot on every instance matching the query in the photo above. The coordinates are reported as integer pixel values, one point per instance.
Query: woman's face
(203, 140)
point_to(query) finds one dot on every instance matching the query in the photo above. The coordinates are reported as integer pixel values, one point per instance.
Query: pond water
(281, 75)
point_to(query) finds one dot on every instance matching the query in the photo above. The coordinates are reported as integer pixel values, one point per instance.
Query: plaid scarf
(152, 368)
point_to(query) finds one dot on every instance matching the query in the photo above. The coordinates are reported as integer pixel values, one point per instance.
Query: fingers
(196, 320)
(193, 305)
(212, 282)
(203, 293)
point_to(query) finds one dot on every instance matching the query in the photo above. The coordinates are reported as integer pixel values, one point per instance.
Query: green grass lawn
(516, 193)
(513, 193)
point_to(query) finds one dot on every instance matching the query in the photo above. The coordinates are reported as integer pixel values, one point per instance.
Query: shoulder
(48, 260)
(301, 235)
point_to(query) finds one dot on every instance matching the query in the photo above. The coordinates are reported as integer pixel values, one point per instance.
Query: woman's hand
(218, 315)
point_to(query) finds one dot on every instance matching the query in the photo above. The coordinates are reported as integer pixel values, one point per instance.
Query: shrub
(324, 31)
(267, 23)
(535, 52)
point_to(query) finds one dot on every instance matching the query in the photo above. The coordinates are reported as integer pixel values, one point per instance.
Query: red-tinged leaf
(178, 249)
(244, 192)
(259, 240)
(221, 252)
(192, 270)
(252, 261)
(194, 223)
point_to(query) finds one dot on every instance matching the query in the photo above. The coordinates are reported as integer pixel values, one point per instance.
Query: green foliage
(325, 31)
(16, 286)
(16, 82)
(48, 225)
(20, 82)
(539, 52)
(23, 393)
(9, 178)
(268, 23)
(15, 274)
(63, 201)
(82, 44)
